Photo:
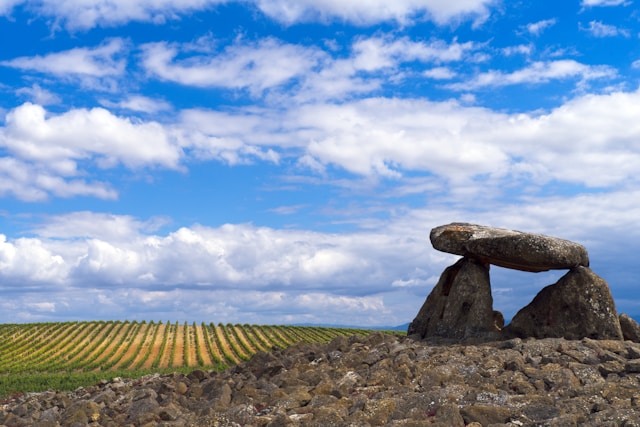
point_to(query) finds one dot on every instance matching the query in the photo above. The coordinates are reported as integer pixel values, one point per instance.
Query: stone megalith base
(578, 305)
(459, 306)
(630, 328)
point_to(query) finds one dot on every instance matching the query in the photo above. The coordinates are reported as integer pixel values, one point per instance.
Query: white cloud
(139, 103)
(101, 61)
(451, 141)
(32, 182)
(598, 29)
(233, 139)
(536, 28)
(536, 73)
(439, 73)
(27, 261)
(297, 72)
(38, 95)
(592, 3)
(47, 150)
(401, 134)
(382, 52)
(86, 14)
(6, 6)
(233, 256)
(374, 61)
(244, 273)
(58, 141)
(92, 225)
(255, 66)
(387, 137)
(522, 49)
(373, 11)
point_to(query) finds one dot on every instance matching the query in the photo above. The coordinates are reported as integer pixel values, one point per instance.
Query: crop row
(114, 346)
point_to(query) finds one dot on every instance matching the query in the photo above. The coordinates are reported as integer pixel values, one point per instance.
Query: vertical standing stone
(578, 305)
(459, 306)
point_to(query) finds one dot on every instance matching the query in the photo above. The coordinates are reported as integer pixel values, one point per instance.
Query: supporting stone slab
(460, 306)
(578, 305)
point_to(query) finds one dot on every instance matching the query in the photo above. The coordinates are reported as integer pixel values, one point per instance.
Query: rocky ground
(378, 380)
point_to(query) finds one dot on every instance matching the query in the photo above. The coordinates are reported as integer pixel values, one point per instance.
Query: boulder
(459, 306)
(509, 248)
(630, 328)
(578, 305)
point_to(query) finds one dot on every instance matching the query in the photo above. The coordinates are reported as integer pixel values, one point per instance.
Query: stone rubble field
(376, 380)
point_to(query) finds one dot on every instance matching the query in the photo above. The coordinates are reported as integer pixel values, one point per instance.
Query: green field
(66, 355)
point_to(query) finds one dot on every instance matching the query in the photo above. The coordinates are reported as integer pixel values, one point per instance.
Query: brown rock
(509, 248)
(485, 415)
(630, 328)
(459, 306)
(579, 305)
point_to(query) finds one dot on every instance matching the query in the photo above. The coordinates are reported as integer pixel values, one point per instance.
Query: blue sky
(283, 161)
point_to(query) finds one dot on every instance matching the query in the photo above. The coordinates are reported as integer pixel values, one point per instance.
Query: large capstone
(460, 305)
(578, 305)
(509, 248)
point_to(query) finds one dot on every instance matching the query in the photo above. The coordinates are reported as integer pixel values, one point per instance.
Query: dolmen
(460, 306)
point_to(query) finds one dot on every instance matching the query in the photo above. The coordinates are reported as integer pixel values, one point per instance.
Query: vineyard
(63, 355)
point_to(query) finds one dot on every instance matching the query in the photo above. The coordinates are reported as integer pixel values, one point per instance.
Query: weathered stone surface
(630, 328)
(548, 382)
(459, 306)
(509, 248)
(579, 305)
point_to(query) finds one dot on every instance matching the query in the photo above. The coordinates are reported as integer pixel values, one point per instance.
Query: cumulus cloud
(292, 271)
(58, 141)
(244, 273)
(460, 144)
(25, 261)
(54, 145)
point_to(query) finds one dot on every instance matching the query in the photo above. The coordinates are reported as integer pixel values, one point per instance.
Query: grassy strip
(63, 381)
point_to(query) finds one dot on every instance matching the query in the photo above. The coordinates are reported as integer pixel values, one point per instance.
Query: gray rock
(509, 248)
(579, 305)
(459, 306)
(630, 328)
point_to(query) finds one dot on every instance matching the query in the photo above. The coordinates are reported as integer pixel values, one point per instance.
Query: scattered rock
(547, 382)
(509, 248)
(460, 305)
(579, 305)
